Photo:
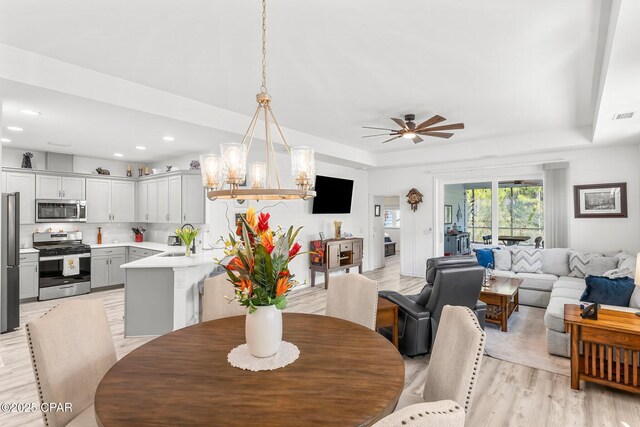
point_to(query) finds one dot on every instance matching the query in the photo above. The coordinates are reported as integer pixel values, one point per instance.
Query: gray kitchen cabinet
(60, 187)
(105, 267)
(29, 276)
(25, 184)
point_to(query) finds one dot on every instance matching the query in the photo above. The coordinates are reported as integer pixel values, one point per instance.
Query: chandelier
(224, 175)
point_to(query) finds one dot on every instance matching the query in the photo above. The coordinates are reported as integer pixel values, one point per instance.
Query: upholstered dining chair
(452, 373)
(215, 304)
(444, 413)
(353, 297)
(71, 349)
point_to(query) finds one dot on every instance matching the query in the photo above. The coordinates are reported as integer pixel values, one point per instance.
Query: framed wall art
(600, 200)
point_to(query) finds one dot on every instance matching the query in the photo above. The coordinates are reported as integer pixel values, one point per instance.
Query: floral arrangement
(187, 235)
(259, 269)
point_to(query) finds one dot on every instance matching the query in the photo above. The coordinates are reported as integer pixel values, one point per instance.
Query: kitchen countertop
(28, 251)
(160, 261)
(154, 246)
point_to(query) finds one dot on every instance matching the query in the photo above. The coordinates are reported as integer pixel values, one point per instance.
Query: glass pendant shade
(211, 170)
(303, 167)
(234, 161)
(258, 175)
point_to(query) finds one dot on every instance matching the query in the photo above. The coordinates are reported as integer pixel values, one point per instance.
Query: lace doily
(240, 357)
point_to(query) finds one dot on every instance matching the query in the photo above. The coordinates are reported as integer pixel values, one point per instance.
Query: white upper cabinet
(73, 188)
(25, 184)
(162, 200)
(152, 201)
(123, 201)
(98, 203)
(193, 199)
(142, 206)
(48, 187)
(175, 200)
(60, 187)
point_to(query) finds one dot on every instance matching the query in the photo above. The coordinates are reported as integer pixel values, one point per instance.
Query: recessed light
(14, 128)
(140, 147)
(168, 138)
(31, 112)
(5, 140)
(118, 154)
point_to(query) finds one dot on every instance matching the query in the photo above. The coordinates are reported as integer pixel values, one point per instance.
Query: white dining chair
(454, 366)
(215, 304)
(71, 349)
(353, 297)
(444, 413)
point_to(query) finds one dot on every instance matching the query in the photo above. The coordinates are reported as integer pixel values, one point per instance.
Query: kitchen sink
(172, 254)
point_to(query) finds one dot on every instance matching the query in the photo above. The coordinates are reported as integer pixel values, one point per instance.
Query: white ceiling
(503, 68)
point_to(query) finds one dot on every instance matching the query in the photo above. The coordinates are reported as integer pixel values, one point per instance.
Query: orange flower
(267, 242)
(283, 285)
(251, 218)
(245, 285)
(235, 264)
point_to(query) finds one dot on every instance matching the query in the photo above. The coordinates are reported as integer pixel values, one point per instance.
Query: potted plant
(187, 235)
(259, 271)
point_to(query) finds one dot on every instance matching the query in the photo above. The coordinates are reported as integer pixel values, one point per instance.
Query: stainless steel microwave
(52, 210)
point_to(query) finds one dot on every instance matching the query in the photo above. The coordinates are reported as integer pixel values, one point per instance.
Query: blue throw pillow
(485, 257)
(604, 290)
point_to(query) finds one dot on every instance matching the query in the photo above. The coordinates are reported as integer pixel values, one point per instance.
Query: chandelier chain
(263, 87)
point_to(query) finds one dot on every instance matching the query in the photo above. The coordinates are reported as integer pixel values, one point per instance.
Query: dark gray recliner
(450, 281)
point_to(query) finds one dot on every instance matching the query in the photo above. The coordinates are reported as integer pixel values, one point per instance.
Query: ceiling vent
(622, 116)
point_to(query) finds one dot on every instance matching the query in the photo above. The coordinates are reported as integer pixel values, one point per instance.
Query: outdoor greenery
(520, 211)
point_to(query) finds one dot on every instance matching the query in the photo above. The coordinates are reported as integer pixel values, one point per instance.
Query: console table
(334, 255)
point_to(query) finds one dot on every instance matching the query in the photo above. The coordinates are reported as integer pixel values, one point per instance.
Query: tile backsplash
(111, 233)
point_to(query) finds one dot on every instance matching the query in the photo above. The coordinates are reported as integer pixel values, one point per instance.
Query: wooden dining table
(346, 375)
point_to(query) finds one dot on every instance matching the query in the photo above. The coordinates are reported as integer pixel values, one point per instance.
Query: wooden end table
(501, 297)
(610, 348)
(387, 316)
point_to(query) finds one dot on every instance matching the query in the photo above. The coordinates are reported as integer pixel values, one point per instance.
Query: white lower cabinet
(29, 276)
(105, 266)
(136, 254)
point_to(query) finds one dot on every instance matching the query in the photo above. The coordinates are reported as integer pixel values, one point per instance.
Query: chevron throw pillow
(578, 262)
(526, 261)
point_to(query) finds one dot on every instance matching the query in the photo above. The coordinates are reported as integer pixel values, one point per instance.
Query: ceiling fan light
(409, 135)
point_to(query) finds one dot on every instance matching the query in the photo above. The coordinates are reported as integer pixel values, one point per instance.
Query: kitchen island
(161, 292)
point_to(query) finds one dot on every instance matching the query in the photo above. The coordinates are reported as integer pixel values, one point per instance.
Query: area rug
(525, 343)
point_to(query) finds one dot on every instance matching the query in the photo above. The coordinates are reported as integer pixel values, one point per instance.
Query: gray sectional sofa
(553, 287)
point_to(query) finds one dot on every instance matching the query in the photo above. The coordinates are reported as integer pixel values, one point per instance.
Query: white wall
(12, 157)
(602, 165)
(221, 213)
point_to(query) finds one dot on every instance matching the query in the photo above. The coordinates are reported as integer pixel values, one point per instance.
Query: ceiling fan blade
(446, 127)
(379, 134)
(400, 123)
(432, 121)
(417, 139)
(391, 139)
(370, 127)
(437, 134)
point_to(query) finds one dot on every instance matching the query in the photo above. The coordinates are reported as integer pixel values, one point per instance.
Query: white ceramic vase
(263, 331)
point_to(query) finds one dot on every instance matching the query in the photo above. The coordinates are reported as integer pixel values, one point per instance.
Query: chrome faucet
(193, 244)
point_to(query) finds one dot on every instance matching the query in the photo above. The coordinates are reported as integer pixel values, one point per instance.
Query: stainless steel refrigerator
(10, 262)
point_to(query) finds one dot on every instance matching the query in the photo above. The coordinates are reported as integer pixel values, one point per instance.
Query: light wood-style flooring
(508, 394)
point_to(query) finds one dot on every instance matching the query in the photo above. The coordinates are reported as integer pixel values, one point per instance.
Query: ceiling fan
(412, 131)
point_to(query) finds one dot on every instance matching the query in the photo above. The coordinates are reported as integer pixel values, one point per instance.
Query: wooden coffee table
(387, 316)
(610, 348)
(501, 297)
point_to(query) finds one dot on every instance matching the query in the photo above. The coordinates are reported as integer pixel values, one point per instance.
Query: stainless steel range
(65, 264)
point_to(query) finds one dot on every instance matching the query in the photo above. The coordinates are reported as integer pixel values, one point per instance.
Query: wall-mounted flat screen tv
(333, 195)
